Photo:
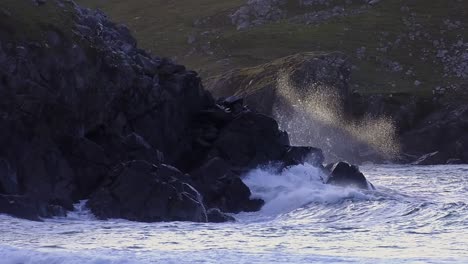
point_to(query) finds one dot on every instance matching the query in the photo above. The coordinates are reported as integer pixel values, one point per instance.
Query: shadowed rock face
(145, 192)
(74, 107)
(87, 115)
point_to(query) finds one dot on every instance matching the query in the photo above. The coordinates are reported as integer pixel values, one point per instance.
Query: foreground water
(417, 215)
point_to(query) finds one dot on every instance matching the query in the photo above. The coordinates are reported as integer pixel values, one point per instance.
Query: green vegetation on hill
(24, 20)
(395, 45)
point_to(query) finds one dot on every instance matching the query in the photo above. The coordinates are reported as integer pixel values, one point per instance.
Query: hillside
(394, 45)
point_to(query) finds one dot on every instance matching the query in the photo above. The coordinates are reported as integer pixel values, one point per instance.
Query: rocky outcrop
(87, 115)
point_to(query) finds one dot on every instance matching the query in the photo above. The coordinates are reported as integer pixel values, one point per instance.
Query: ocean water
(416, 215)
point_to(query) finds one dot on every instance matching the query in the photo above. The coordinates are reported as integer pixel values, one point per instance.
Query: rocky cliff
(87, 115)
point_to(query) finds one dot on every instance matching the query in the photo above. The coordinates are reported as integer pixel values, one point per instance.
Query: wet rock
(216, 216)
(455, 161)
(433, 158)
(344, 174)
(19, 206)
(222, 188)
(149, 193)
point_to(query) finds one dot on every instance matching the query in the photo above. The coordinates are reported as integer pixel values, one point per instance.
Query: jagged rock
(250, 140)
(73, 110)
(344, 174)
(145, 192)
(216, 216)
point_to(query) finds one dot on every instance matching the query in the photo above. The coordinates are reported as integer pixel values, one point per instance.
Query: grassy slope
(25, 20)
(163, 26)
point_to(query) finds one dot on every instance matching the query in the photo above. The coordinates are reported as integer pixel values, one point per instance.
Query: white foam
(9, 255)
(295, 187)
(81, 212)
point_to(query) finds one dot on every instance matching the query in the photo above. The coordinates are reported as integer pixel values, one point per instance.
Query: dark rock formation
(141, 191)
(216, 216)
(249, 140)
(442, 134)
(85, 114)
(222, 188)
(431, 159)
(81, 100)
(344, 174)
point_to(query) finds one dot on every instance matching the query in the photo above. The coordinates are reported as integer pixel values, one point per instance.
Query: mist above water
(314, 115)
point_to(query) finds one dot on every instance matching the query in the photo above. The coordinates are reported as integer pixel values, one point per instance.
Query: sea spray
(295, 187)
(314, 115)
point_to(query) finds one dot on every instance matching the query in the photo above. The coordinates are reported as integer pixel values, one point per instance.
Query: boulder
(344, 174)
(144, 192)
